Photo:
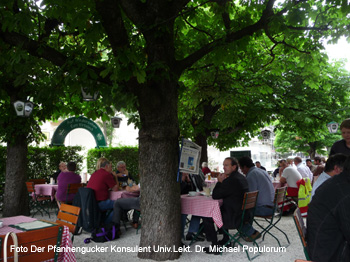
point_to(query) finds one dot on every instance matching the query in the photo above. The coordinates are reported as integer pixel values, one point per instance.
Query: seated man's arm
(134, 188)
(283, 180)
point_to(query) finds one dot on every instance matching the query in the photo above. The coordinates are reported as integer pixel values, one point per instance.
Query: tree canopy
(135, 52)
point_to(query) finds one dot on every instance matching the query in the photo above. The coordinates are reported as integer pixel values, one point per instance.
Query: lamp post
(332, 127)
(116, 121)
(266, 134)
(23, 109)
(214, 134)
(87, 96)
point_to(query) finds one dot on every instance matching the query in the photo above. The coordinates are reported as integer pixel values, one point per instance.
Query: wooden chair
(38, 180)
(249, 204)
(40, 239)
(301, 228)
(72, 189)
(68, 216)
(37, 203)
(276, 216)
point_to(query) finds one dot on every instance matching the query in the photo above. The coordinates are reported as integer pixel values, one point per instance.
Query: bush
(128, 154)
(43, 162)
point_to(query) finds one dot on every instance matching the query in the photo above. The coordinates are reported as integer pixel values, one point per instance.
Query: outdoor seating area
(265, 249)
(131, 239)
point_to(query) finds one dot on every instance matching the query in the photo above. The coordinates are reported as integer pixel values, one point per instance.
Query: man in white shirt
(291, 176)
(334, 166)
(303, 170)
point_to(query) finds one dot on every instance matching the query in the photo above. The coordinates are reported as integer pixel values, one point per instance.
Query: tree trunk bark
(158, 165)
(16, 195)
(201, 140)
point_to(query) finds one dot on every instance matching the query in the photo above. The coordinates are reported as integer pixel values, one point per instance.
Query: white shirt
(292, 176)
(305, 171)
(322, 178)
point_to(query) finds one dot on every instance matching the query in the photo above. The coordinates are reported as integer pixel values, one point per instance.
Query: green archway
(78, 122)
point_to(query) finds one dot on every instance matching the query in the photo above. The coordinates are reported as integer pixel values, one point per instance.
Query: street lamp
(87, 96)
(266, 134)
(214, 134)
(23, 109)
(332, 127)
(116, 121)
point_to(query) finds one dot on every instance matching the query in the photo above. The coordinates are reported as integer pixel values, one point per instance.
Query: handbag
(103, 234)
(15, 243)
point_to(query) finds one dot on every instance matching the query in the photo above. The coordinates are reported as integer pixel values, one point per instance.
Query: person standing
(343, 145)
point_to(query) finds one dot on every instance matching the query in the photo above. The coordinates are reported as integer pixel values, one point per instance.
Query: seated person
(205, 168)
(291, 176)
(186, 186)
(334, 166)
(123, 205)
(231, 187)
(122, 173)
(258, 180)
(65, 178)
(62, 167)
(101, 182)
(328, 230)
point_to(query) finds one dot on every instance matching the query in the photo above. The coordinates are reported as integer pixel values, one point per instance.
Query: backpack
(103, 234)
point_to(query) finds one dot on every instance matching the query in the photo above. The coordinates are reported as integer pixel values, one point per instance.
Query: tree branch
(230, 37)
(112, 22)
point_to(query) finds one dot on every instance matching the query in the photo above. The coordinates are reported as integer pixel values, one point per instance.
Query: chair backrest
(249, 200)
(280, 195)
(40, 239)
(73, 189)
(249, 204)
(301, 228)
(30, 187)
(38, 180)
(68, 216)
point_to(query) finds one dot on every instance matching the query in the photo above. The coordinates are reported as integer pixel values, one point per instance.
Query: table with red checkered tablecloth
(203, 206)
(67, 256)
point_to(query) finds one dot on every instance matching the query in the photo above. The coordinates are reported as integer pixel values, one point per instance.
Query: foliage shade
(43, 162)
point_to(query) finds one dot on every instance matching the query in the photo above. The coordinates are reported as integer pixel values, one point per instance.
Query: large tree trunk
(16, 196)
(158, 164)
(201, 140)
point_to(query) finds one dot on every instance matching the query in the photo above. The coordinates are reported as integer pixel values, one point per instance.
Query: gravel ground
(130, 239)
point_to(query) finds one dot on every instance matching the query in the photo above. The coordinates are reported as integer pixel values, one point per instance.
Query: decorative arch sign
(77, 122)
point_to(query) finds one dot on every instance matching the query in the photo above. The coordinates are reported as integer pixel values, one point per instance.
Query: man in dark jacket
(230, 187)
(328, 222)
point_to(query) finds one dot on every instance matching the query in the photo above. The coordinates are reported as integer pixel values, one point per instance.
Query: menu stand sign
(189, 157)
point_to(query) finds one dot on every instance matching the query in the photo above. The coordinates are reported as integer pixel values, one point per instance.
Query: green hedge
(43, 162)
(127, 154)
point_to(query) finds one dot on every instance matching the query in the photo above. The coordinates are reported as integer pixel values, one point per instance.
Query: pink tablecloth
(276, 184)
(68, 256)
(202, 206)
(46, 190)
(114, 195)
